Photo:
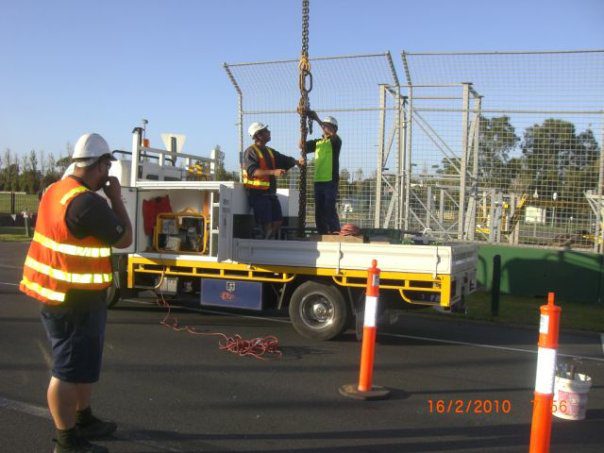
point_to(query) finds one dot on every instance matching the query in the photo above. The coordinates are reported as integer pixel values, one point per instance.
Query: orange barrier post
(365, 390)
(541, 426)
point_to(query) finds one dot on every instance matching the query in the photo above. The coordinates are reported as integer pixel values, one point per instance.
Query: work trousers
(326, 214)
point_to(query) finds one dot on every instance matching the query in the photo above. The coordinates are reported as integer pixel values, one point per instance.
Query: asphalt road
(173, 391)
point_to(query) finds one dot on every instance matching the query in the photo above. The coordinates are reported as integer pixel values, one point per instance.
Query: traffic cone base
(376, 392)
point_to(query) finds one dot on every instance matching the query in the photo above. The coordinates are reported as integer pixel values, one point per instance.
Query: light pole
(554, 196)
(535, 196)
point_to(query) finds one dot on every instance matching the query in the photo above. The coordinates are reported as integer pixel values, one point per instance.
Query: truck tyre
(318, 311)
(112, 295)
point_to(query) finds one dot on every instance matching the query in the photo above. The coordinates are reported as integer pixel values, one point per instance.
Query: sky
(71, 67)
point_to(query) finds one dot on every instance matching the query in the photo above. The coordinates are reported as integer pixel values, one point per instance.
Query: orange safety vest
(57, 261)
(260, 182)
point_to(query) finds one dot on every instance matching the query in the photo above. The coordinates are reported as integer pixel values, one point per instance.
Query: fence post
(12, 203)
(496, 285)
(26, 223)
(541, 426)
(365, 390)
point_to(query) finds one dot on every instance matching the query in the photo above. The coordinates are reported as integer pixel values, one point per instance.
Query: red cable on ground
(256, 347)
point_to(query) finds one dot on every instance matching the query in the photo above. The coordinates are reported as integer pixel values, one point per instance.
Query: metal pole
(464, 159)
(398, 182)
(475, 148)
(241, 150)
(173, 150)
(240, 115)
(492, 219)
(408, 129)
(511, 229)
(599, 236)
(428, 205)
(407, 149)
(401, 175)
(26, 223)
(136, 143)
(380, 158)
(441, 207)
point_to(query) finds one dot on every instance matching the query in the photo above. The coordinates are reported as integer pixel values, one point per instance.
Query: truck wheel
(318, 311)
(112, 295)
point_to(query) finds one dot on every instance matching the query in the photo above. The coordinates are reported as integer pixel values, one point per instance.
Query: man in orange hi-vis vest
(68, 269)
(261, 165)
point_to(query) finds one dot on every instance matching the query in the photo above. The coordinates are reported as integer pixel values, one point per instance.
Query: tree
(555, 154)
(449, 166)
(497, 138)
(29, 180)
(9, 175)
(223, 175)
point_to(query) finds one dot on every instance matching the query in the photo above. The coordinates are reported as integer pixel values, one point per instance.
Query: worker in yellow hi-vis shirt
(327, 173)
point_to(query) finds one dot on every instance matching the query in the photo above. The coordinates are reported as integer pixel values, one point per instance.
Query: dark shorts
(76, 338)
(266, 206)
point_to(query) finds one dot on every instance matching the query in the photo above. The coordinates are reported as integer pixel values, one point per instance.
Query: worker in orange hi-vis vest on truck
(68, 269)
(261, 165)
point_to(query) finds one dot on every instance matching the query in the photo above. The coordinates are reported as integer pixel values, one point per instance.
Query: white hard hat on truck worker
(255, 128)
(89, 148)
(330, 120)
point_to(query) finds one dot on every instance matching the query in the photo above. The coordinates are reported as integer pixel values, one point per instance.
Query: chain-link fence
(344, 87)
(18, 202)
(498, 147)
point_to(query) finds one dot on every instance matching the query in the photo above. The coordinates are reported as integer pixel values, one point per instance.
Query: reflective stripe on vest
(261, 182)
(323, 161)
(44, 292)
(70, 249)
(70, 277)
(72, 193)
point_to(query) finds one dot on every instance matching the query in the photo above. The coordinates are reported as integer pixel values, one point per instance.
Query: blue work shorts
(76, 338)
(266, 206)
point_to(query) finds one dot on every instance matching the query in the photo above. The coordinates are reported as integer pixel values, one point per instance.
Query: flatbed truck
(320, 282)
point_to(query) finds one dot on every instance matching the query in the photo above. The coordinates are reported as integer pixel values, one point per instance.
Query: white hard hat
(330, 120)
(255, 128)
(89, 148)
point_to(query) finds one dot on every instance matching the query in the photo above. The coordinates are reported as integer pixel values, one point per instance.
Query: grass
(14, 238)
(13, 234)
(525, 311)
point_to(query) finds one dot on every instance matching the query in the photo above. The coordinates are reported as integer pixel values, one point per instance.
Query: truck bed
(427, 259)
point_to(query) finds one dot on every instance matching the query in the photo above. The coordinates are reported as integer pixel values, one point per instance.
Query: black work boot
(78, 445)
(90, 427)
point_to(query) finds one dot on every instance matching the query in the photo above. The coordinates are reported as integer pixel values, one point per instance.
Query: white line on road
(138, 436)
(9, 284)
(487, 346)
(7, 266)
(434, 340)
(26, 408)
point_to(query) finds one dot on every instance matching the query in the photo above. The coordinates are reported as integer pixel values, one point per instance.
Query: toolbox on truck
(231, 294)
(180, 232)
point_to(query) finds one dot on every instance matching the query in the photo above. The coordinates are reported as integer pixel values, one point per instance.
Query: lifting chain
(305, 84)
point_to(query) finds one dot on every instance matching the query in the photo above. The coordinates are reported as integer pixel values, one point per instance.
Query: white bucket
(570, 396)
